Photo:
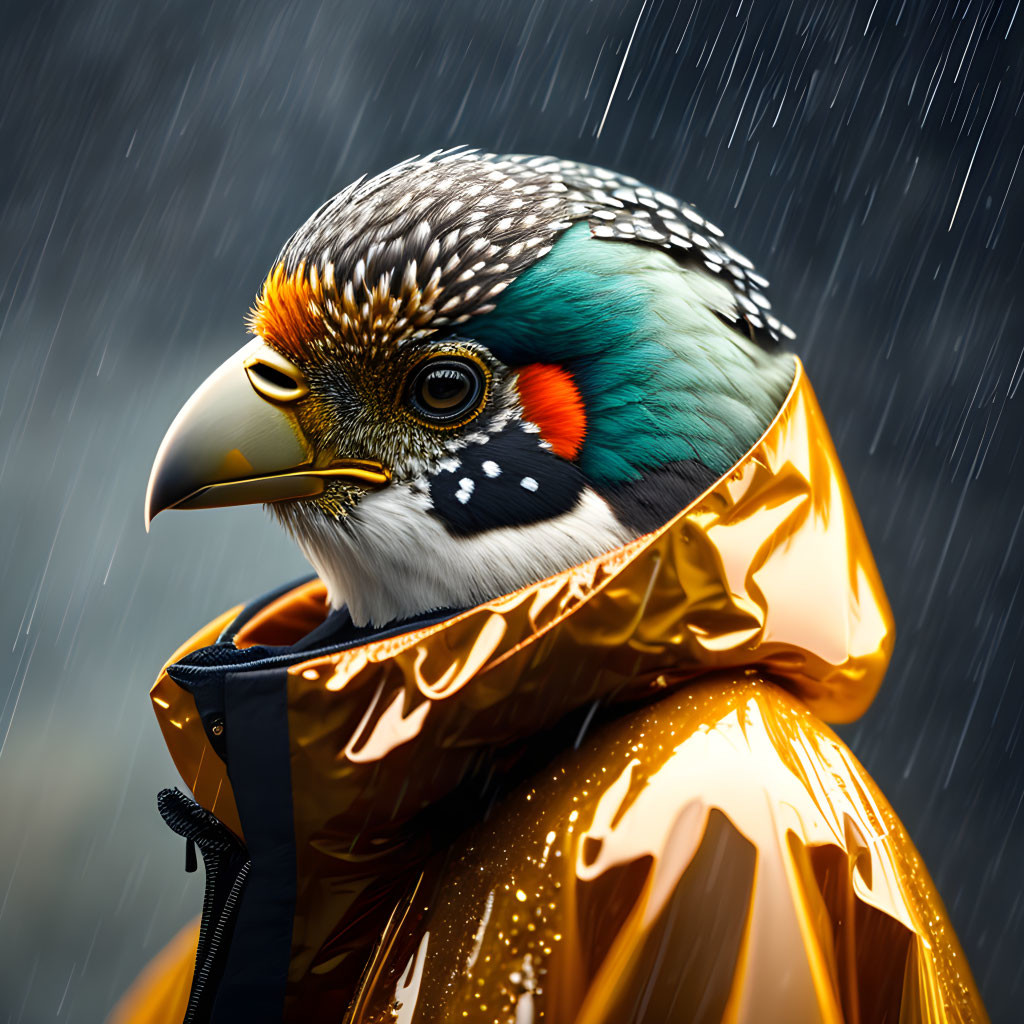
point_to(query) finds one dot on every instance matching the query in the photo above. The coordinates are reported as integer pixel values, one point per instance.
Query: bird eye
(447, 390)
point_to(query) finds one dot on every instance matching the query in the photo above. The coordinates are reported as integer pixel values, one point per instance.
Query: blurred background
(866, 155)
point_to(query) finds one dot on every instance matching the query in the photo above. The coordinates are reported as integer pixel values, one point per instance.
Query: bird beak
(237, 441)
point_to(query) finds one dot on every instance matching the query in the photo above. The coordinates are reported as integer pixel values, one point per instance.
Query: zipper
(203, 673)
(227, 866)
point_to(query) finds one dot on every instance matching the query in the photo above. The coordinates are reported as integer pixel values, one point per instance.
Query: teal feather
(661, 376)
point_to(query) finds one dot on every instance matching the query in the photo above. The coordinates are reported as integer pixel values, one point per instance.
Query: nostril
(274, 382)
(272, 375)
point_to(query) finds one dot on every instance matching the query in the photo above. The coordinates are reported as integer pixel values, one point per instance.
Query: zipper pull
(191, 864)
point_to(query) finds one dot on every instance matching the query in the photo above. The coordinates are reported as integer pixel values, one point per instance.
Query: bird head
(473, 371)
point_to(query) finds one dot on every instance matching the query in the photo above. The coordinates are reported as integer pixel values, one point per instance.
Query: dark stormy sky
(867, 156)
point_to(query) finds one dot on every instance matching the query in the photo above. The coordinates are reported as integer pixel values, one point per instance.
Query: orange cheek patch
(552, 401)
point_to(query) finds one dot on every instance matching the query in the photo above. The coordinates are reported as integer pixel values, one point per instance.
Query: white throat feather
(390, 559)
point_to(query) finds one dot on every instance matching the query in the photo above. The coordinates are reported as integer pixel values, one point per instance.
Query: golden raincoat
(608, 797)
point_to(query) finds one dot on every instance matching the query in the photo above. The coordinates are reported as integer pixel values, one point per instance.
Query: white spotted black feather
(473, 221)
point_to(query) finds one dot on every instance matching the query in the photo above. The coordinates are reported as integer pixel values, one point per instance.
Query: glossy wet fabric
(670, 834)
(718, 856)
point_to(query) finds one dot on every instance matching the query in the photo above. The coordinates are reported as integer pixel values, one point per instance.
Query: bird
(542, 742)
(472, 371)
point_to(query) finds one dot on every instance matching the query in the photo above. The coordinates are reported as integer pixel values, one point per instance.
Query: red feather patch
(552, 401)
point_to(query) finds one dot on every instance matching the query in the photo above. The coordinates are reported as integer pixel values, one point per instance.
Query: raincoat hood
(336, 753)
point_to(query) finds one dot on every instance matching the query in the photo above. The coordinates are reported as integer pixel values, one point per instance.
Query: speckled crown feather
(433, 241)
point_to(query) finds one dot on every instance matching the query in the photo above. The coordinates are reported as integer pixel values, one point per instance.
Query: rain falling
(866, 156)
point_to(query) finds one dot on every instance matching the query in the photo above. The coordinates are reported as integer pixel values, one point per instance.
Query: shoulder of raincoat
(610, 796)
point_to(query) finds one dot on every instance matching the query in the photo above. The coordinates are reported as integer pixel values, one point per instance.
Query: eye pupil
(447, 390)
